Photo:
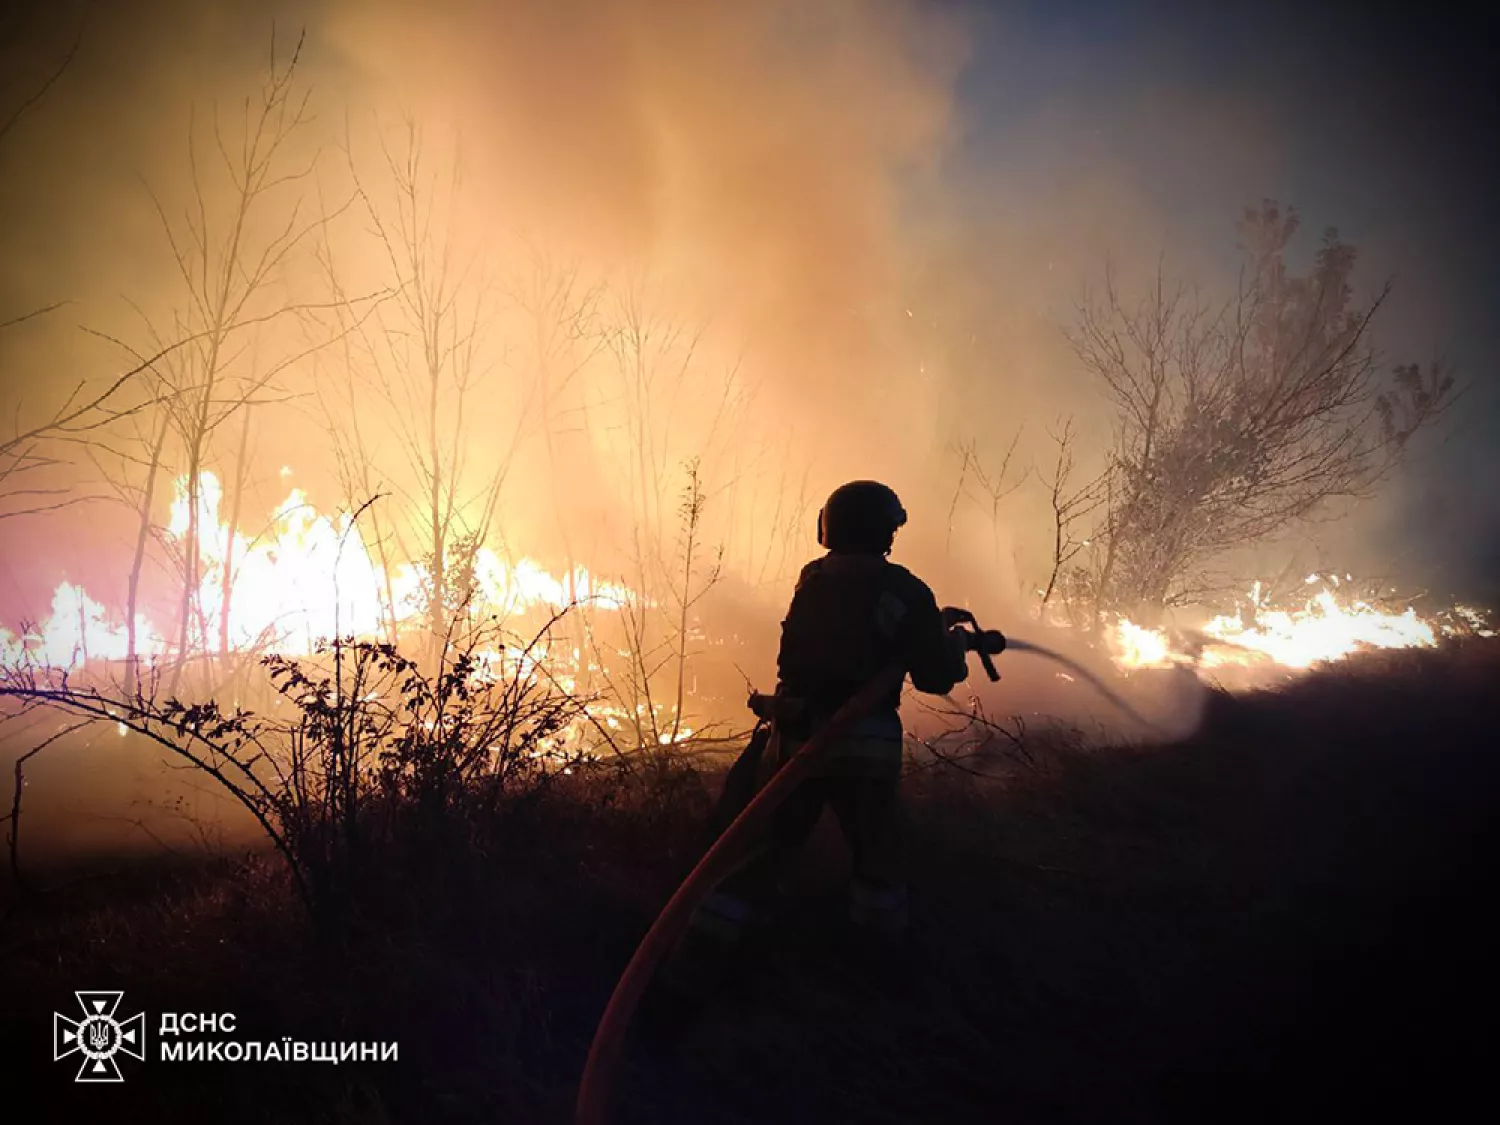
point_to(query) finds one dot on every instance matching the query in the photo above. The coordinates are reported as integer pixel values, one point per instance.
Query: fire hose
(720, 859)
(991, 641)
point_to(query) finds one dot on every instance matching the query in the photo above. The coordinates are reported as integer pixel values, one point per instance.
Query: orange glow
(1328, 627)
(306, 577)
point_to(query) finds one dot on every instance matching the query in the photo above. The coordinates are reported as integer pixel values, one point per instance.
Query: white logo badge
(99, 1036)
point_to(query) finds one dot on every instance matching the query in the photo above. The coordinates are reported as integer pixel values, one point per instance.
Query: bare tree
(665, 425)
(775, 527)
(423, 355)
(562, 337)
(689, 593)
(117, 465)
(993, 484)
(36, 449)
(1072, 503)
(35, 456)
(1236, 419)
(229, 247)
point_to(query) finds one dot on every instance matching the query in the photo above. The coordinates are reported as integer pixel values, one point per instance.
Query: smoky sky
(895, 203)
(1380, 120)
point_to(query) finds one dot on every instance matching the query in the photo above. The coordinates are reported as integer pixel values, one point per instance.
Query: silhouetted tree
(1235, 420)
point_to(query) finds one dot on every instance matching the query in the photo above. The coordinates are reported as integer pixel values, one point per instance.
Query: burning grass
(1286, 909)
(1267, 639)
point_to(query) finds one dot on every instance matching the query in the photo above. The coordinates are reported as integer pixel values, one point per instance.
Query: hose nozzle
(986, 642)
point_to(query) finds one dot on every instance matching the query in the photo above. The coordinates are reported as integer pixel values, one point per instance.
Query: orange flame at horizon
(1325, 629)
(305, 577)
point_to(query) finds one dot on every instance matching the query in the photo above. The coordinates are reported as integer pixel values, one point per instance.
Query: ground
(1284, 917)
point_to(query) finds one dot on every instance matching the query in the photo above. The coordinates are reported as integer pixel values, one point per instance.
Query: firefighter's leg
(747, 896)
(869, 812)
(743, 901)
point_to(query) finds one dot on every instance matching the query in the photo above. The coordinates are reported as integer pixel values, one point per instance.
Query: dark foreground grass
(1285, 918)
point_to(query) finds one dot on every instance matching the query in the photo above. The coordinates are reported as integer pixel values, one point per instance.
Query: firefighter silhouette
(853, 614)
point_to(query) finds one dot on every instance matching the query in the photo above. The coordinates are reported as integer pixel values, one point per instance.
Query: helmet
(862, 515)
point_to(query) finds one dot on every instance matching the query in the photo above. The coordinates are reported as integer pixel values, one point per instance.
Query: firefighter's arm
(937, 656)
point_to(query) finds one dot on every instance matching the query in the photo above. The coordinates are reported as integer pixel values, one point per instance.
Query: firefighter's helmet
(862, 515)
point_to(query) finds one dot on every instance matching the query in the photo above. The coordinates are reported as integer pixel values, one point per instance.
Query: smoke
(751, 163)
(738, 169)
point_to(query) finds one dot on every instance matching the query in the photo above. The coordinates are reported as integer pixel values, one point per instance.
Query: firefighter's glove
(953, 616)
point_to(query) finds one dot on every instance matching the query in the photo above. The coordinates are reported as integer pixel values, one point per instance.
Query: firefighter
(853, 614)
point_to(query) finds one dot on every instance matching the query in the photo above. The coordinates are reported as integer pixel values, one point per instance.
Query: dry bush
(382, 783)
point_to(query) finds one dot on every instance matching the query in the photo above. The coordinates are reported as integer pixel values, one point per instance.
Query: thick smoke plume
(738, 173)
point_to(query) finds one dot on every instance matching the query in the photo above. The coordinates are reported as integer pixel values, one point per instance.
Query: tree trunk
(137, 562)
(436, 608)
(226, 585)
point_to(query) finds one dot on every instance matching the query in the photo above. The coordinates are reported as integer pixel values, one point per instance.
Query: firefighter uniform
(852, 615)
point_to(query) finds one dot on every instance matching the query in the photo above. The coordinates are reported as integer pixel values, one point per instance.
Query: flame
(515, 589)
(78, 630)
(1323, 631)
(1327, 627)
(1138, 647)
(304, 576)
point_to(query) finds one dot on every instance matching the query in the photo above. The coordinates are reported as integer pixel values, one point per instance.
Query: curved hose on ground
(609, 1038)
